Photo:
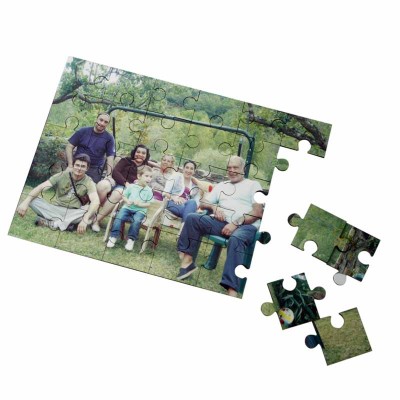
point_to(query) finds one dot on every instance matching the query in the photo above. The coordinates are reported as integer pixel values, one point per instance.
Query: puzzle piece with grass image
(339, 344)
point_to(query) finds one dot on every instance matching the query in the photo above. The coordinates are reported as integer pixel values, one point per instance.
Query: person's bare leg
(232, 292)
(115, 197)
(103, 188)
(187, 259)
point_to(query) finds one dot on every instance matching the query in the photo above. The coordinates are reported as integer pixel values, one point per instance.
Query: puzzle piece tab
(339, 344)
(339, 243)
(294, 307)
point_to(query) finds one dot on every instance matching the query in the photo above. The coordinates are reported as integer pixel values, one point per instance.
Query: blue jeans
(127, 215)
(198, 225)
(182, 210)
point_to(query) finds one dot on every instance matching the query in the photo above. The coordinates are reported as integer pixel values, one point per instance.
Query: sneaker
(96, 227)
(45, 222)
(129, 245)
(72, 227)
(186, 272)
(111, 242)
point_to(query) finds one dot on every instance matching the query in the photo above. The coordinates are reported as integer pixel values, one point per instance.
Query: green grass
(346, 342)
(162, 261)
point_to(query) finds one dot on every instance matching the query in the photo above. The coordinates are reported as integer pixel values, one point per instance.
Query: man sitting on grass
(68, 210)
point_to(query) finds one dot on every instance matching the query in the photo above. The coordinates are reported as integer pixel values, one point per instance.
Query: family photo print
(156, 177)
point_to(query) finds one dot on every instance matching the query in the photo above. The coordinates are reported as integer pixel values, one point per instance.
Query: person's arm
(119, 172)
(68, 152)
(110, 155)
(155, 183)
(23, 207)
(174, 188)
(195, 181)
(254, 215)
(167, 193)
(210, 203)
(94, 205)
(126, 200)
(206, 205)
(196, 193)
(246, 219)
(109, 165)
(153, 164)
(143, 204)
(145, 198)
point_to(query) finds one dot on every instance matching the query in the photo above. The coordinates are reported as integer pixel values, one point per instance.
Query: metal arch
(236, 131)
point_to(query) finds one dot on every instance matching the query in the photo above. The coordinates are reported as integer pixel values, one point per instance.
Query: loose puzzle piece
(339, 243)
(187, 123)
(340, 344)
(346, 261)
(320, 227)
(294, 307)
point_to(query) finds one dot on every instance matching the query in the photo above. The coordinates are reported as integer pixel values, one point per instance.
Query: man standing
(235, 216)
(70, 189)
(96, 142)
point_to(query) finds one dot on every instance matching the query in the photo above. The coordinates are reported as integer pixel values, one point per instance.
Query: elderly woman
(162, 175)
(124, 173)
(183, 192)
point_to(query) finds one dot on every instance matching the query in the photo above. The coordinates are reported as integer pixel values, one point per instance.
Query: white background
(75, 328)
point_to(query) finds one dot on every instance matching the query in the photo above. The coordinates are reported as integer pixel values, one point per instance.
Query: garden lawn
(162, 261)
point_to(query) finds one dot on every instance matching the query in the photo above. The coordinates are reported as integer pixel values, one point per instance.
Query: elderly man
(235, 215)
(68, 212)
(96, 142)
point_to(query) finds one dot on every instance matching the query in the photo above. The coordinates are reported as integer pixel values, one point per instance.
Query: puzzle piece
(339, 344)
(296, 129)
(265, 176)
(320, 227)
(294, 307)
(339, 243)
(347, 261)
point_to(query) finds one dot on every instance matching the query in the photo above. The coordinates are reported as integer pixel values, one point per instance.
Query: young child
(137, 198)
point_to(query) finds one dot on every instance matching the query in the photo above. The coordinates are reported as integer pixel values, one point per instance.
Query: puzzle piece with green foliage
(294, 307)
(339, 344)
(339, 243)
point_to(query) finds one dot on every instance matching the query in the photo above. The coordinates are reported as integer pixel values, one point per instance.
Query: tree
(88, 84)
(294, 126)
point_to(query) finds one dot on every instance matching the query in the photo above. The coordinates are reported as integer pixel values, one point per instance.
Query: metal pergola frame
(236, 131)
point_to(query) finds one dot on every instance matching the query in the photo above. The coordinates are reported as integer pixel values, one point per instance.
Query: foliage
(87, 88)
(96, 87)
(299, 300)
(49, 158)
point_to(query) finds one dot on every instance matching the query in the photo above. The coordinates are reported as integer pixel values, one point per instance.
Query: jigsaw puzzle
(340, 344)
(193, 142)
(339, 243)
(294, 307)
